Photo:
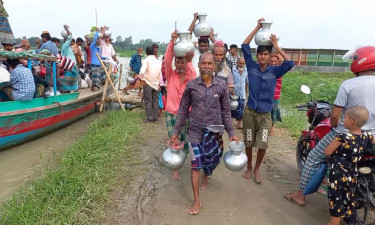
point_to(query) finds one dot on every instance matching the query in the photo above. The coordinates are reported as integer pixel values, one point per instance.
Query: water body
(125, 68)
(19, 164)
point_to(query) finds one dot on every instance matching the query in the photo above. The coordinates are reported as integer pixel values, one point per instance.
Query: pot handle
(179, 146)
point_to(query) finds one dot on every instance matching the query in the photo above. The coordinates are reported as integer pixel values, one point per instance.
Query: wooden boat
(23, 121)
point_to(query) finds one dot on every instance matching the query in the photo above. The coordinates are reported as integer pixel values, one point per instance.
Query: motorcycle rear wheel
(365, 210)
(301, 153)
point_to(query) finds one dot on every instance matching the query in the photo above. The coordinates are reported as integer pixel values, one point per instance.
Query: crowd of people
(199, 87)
(76, 62)
(195, 91)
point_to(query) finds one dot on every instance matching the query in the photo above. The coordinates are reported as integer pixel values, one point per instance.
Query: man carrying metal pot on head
(358, 91)
(262, 81)
(203, 43)
(208, 98)
(177, 80)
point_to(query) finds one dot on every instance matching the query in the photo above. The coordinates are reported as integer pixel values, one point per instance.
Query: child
(345, 151)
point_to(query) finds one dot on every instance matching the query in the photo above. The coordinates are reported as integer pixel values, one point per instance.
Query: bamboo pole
(105, 90)
(119, 78)
(96, 18)
(103, 96)
(110, 81)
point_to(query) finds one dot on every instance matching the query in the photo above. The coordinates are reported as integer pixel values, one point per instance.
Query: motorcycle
(318, 113)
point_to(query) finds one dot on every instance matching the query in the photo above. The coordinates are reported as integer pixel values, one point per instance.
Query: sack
(161, 105)
(316, 180)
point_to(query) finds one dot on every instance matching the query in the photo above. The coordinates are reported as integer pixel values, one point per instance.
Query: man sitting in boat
(8, 47)
(47, 44)
(22, 86)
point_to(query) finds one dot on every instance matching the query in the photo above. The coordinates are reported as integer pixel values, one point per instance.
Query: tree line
(127, 44)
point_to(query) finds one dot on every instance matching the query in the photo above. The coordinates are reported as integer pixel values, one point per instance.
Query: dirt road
(155, 199)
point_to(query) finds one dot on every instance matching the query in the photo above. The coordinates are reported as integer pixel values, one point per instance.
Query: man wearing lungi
(177, 80)
(210, 114)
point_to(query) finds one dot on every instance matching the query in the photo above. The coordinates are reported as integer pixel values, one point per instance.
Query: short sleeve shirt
(107, 49)
(358, 91)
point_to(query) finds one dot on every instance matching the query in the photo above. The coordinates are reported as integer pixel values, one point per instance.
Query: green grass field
(76, 190)
(127, 53)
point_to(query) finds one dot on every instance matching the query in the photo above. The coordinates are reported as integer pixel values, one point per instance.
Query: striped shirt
(23, 85)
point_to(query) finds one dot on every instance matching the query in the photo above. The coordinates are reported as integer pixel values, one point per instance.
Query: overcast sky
(339, 24)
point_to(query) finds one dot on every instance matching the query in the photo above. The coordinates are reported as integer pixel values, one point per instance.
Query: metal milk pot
(107, 32)
(262, 37)
(235, 159)
(184, 45)
(173, 158)
(202, 28)
(64, 34)
(233, 102)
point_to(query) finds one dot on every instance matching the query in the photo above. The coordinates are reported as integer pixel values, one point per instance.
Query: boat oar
(110, 81)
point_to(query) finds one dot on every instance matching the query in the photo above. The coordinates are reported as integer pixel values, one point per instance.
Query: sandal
(288, 196)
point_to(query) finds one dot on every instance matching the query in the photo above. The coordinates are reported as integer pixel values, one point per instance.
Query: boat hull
(20, 126)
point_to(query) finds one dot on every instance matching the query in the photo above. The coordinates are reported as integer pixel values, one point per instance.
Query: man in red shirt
(88, 51)
(276, 60)
(176, 81)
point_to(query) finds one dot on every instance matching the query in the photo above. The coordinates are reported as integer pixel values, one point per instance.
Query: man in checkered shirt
(233, 56)
(22, 82)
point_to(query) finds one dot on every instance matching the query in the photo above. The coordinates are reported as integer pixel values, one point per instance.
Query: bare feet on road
(204, 182)
(247, 174)
(176, 175)
(258, 178)
(194, 210)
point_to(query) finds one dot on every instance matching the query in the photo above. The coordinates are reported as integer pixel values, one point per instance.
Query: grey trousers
(151, 97)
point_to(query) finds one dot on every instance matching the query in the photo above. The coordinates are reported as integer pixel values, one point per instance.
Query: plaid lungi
(170, 120)
(70, 80)
(97, 76)
(207, 154)
(275, 112)
(238, 113)
(315, 159)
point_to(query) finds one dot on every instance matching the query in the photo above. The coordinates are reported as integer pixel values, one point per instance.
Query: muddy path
(153, 198)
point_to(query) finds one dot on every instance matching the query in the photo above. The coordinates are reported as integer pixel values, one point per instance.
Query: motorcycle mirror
(305, 89)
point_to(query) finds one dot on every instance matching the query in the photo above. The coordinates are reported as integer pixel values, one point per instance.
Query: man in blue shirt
(135, 61)
(96, 67)
(135, 66)
(240, 78)
(47, 44)
(262, 81)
